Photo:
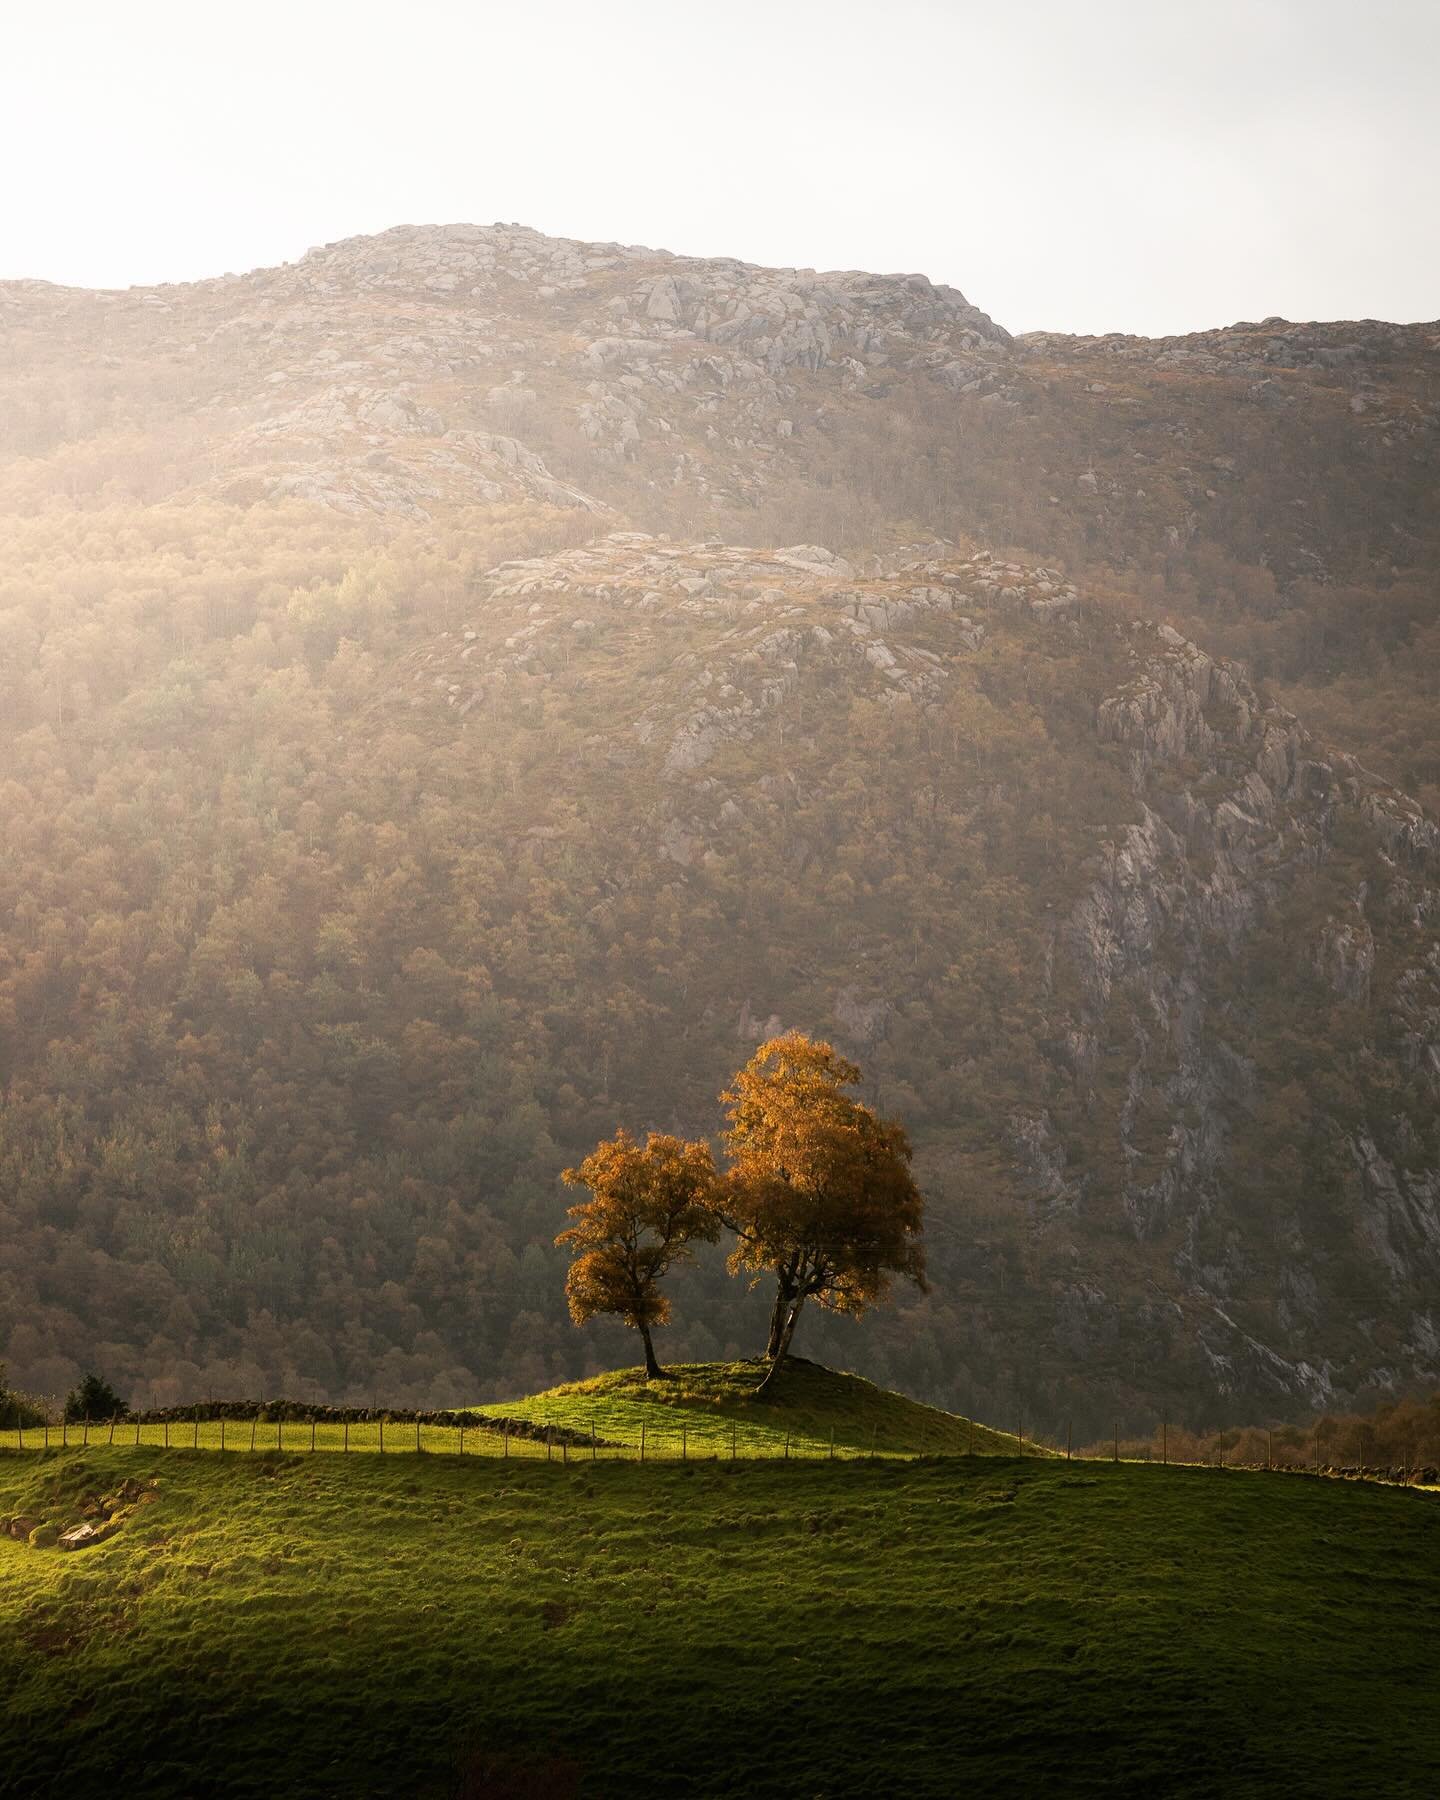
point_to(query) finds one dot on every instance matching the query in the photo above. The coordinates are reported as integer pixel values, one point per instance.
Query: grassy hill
(322, 1625)
(714, 1405)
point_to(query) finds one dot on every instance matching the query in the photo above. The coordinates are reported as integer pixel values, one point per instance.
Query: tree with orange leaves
(648, 1203)
(819, 1191)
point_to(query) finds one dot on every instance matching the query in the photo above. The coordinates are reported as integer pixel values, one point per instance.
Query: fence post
(1164, 1440)
(549, 1444)
(312, 1434)
(254, 1427)
(462, 1436)
(346, 1439)
(592, 1440)
(110, 1439)
(684, 1446)
(165, 1433)
(417, 1431)
(1269, 1448)
(787, 1446)
(20, 1426)
(280, 1432)
(196, 1444)
(382, 1434)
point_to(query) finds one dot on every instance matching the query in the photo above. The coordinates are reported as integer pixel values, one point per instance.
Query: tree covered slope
(324, 992)
(457, 694)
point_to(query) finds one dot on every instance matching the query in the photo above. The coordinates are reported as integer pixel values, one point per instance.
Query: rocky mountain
(421, 757)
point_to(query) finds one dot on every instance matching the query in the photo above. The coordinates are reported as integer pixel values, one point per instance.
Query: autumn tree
(648, 1204)
(819, 1191)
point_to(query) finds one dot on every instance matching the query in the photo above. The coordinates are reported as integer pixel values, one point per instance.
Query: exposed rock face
(401, 373)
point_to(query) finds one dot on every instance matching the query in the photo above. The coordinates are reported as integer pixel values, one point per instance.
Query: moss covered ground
(282, 1623)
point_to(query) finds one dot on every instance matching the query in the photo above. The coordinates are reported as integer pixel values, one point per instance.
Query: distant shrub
(17, 1410)
(94, 1400)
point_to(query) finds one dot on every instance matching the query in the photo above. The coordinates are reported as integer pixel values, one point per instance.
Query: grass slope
(320, 1626)
(715, 1405)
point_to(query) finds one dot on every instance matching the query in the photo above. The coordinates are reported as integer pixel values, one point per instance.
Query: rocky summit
(464, 688)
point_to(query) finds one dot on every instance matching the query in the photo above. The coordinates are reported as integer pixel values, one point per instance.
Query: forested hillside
(389, 814)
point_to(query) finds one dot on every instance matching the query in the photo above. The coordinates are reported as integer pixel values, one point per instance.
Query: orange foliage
(819, 1190)
(648, 1203)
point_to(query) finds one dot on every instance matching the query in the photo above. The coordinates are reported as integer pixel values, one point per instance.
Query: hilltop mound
(715, 1404)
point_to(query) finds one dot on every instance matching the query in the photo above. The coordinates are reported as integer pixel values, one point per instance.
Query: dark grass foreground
(317, 1626)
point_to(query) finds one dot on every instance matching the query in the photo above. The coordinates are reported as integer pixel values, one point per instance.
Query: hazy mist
(1081, 169)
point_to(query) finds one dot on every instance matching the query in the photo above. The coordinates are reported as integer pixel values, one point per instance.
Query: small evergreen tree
(94, 1400)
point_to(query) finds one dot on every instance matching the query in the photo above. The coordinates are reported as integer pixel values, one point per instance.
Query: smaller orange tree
(648, 1203)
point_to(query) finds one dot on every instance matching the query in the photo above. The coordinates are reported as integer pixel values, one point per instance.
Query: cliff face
(1250, 899)
(363, 878)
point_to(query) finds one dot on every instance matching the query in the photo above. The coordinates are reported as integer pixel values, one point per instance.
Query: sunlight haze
(1118, 168)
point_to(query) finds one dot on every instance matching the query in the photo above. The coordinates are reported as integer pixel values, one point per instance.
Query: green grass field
(288, 1624)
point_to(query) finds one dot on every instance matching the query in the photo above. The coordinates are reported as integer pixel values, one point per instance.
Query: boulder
(81, 1537)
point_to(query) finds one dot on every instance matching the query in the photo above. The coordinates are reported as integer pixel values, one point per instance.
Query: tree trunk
(777, 1324)
(652, 1367)
(792, 1318)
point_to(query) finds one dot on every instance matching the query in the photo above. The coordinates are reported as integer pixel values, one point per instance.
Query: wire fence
(398, 1435)
(705, 1440)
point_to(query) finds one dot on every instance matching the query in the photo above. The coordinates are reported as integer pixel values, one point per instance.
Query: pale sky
(1081, 165)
